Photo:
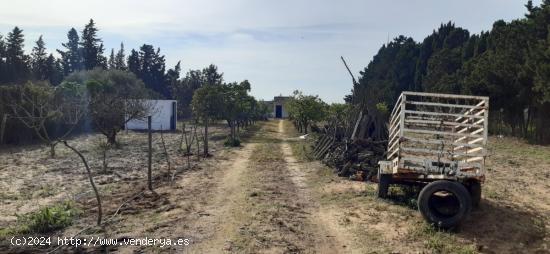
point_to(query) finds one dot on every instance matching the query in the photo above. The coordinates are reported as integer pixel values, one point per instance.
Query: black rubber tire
(384, 181)
(427, 203)
(475, 193)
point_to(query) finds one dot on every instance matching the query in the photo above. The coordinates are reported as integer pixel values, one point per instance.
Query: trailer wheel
(384, 181)
(474, 188)
(444, 203)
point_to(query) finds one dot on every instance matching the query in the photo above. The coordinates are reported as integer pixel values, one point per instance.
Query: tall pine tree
(38, 60)
(71, 57)
(2, 60)
(92, 47)
(211, 75)
(149, 65)
(120, 58)
(134, 62)
(112, 64)
(54, 70)
(17, 67)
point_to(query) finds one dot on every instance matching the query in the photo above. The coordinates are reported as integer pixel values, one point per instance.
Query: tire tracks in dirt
(259, 201)
(219, 218)
(330, 236)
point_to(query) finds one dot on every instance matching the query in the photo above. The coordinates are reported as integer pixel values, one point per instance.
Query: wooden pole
(149, 154)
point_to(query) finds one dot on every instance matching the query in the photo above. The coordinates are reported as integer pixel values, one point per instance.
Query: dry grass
(30, 180)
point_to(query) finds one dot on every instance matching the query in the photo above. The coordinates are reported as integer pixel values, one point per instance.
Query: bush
(232, 142)
(48, 219)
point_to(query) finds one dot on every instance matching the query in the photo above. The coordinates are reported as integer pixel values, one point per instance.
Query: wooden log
(321, 144)
(323, 151)
(357, 125)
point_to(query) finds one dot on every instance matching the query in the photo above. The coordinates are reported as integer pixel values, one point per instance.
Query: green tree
(207, 105)
(305, 110)
(3, 70)
(173, 76)
(506, 63)
(134, 65)
(17, 63)
(211, 76)
(116, 97)
(92, 47)
(111, 62)
(54, 70)
(237, 106)
(72, 55)
(184, 89)
(120, 59)
(149, 65)
(39, 59)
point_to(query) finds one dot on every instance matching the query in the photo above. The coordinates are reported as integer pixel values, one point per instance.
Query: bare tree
(38, 104)
(89, 172)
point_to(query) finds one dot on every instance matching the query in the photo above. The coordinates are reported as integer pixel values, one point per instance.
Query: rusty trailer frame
(437, 136)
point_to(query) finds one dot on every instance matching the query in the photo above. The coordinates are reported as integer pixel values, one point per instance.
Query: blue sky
(279, 46)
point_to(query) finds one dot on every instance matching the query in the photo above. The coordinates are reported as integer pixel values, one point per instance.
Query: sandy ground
(265, 198)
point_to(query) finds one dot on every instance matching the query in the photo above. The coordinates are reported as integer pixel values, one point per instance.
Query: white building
(163, 113)
(278, 107)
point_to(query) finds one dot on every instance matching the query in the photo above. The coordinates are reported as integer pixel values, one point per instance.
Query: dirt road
(263, 203)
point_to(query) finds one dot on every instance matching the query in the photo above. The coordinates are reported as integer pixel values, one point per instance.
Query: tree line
(307, 110)
(42, 95)
(86, 51)
(510, 64)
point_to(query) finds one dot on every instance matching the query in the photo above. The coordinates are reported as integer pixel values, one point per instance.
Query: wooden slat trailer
(438, 141)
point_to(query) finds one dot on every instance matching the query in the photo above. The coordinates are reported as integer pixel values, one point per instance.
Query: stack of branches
(354, 143)
(356, 159)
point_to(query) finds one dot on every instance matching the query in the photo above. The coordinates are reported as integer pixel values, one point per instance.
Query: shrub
(232, 142)
(48, 219)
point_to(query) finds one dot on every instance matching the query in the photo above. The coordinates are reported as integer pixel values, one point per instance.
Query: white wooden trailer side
(438, 136)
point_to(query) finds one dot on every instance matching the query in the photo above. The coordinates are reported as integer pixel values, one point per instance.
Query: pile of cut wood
(356, 159)
(354, 140)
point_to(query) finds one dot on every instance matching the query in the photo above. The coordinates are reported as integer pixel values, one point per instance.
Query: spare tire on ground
(444, 203)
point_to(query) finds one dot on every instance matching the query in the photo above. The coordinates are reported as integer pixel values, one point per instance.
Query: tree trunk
(89, 172)
(206, 138)
(111, 138)
(52, 150)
